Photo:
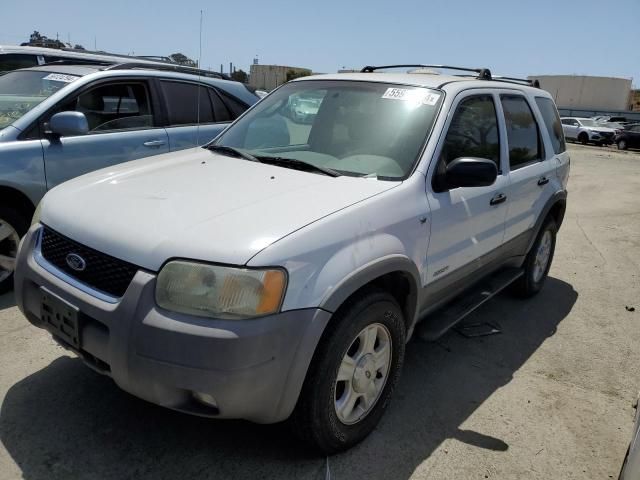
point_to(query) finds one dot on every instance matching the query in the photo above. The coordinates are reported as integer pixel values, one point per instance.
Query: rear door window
(552, 123)
(187, 103)
(523, 134)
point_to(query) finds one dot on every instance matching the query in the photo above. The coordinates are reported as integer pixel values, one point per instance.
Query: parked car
(14, 57)
(631, 465)
(629, 137)
(587, 130)
(60, 121)
(266, 277)
(609, 118)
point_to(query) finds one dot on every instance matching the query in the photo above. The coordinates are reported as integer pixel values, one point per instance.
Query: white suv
(278, 272)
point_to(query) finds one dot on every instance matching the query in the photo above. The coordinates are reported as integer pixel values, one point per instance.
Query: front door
(467, 223)
(122, 127)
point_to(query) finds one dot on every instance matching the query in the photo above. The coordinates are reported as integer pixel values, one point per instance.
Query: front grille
(102, 272)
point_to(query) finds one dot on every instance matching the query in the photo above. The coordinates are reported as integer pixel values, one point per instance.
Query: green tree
(293, 74)
(239, 76)
(182, 59)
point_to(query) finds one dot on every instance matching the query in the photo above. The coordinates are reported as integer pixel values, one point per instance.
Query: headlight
(36, 215)
(220, 292)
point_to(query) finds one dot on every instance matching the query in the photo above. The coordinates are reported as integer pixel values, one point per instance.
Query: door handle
(543, 181)
(500, 198)
(154, 143)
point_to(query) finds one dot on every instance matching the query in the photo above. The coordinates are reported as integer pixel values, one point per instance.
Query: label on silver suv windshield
(411, 94)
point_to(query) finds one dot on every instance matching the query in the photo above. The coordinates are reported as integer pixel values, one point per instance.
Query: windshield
(354, 128)
(20, 91)
(588, 123)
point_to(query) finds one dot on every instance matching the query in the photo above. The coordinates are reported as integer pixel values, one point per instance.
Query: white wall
(598, 93)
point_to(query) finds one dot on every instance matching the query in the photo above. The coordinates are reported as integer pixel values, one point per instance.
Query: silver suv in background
(59, 121)
(587, 130)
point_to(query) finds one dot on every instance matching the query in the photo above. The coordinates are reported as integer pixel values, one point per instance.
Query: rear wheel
(537, 262)
(622, 144)
(13, 225)
(353, 373)
(583, 138)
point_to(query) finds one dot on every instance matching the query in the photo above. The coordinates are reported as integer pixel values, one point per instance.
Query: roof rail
(525, 81)
(77, 61)
(167, 67)
(483, 73)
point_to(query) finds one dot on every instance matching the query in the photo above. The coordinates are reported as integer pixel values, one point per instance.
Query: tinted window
(118, 106)
(473, 132)
(552, 123)
(222, 113)
(235, 107)
(13, 61)
(566, 121)
(522, 131)
(182, 103)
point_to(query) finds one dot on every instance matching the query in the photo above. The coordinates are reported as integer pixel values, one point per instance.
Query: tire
(532, 281)
(583, 138)
(14, 224)
(315, 419)
(622, 145)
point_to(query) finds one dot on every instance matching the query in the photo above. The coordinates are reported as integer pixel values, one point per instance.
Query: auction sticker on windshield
(411, 94)
(61, 77)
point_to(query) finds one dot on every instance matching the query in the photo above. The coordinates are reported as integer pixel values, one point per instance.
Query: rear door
(530, 166)
(195, 115)
(570, 127)
(123, 126)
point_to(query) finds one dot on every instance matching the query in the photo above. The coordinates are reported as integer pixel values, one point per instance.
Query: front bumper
(254, 369)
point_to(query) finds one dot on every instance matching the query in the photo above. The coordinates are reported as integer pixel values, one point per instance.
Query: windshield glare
(588, 123)
(355, 128)
(22, 90)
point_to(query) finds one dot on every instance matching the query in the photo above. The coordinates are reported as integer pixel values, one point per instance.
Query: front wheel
(353, 373)
(13, 225)
(538, 262)
(583, 138)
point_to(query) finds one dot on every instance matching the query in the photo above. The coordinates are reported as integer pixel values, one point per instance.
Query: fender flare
(371, 271)
(560, 197)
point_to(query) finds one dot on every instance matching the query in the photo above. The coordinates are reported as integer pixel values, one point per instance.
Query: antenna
(199, 86)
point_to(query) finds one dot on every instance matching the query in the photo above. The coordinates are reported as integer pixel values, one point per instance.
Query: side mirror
(68, 124)
(471, 172)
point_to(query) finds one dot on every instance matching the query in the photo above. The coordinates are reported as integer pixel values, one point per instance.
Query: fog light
(206, 399)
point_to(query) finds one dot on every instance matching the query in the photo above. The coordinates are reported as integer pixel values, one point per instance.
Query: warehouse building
(579, 95)
(268, 77)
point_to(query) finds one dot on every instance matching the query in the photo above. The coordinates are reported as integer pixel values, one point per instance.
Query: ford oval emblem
(76, 262)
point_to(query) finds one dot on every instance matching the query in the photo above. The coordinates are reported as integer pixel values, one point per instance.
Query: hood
(601, 129)
(195, 204)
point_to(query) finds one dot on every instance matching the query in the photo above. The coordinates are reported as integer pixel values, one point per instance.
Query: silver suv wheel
(9, 240)
(363, 373)
(542, 256)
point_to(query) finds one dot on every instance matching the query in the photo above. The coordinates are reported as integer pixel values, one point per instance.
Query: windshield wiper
(297, 164)
(231, 151)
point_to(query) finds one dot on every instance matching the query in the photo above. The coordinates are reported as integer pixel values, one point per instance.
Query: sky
(512, 38)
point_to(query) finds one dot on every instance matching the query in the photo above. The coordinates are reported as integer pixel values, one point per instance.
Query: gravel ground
(550, 397)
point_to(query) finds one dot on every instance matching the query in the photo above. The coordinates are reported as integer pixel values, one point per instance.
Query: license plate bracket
(60, 318)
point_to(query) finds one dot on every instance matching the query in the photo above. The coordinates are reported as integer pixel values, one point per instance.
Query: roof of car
(428, 80)
(80, 69)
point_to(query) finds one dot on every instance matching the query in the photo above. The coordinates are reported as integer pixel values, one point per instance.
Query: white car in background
(587, 130)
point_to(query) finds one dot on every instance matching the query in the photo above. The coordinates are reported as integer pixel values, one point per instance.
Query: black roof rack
(483, 73)
(167, 67)
(77, 61)
(525, 81)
